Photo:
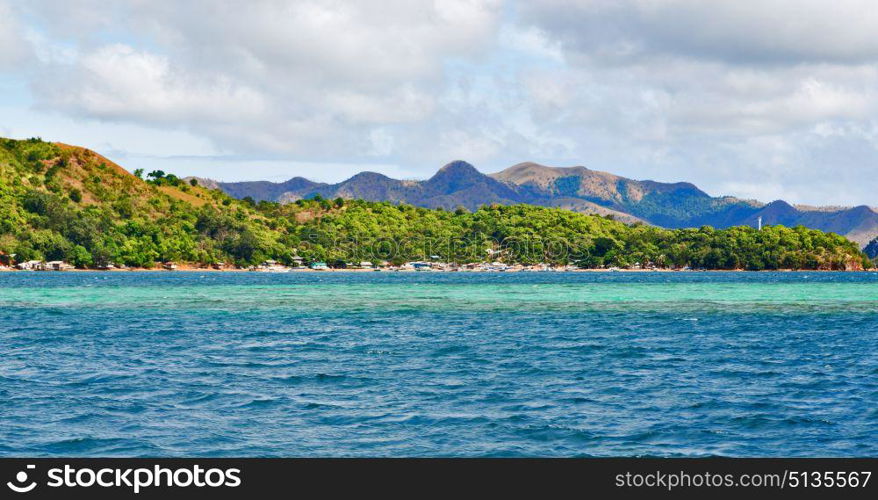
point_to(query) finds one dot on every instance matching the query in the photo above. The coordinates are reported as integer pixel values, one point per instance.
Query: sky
(767, 99)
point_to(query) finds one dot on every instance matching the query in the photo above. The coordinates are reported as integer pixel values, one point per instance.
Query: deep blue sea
(438, 364)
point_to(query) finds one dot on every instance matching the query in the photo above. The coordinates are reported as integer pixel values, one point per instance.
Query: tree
(40, 218)
(872, 249)
(80, 257)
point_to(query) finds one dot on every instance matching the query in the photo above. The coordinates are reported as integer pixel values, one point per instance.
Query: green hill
(66, 203)
(60, 202)
(669, 205)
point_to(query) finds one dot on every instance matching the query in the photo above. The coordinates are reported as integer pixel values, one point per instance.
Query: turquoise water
(438, 364)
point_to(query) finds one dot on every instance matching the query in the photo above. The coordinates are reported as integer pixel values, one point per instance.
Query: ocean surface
(438, 364)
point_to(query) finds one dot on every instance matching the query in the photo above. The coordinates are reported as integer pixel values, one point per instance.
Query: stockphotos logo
(21, 484)
(130, 479)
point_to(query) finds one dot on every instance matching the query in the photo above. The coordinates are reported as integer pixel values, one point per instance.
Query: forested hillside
(669, 205)
(60, 202)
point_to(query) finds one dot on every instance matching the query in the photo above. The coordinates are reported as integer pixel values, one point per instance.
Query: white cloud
(735, 31)
(741, 97)
(118, 82)
(13, 47)
(297, 77)
(727, 94)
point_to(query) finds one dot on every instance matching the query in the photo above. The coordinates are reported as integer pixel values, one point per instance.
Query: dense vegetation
(871, 249)
(66, 203)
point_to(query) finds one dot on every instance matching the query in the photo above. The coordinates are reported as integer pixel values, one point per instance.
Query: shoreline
(476, 271)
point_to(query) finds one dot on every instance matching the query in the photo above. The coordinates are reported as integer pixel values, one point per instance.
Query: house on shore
(57, 265)
(271, 266)
(38, 265)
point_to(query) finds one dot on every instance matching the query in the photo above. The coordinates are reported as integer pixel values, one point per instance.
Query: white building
(57, 265)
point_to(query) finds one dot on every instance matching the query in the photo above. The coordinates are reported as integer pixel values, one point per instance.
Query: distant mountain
(671, 205)
(260, 190)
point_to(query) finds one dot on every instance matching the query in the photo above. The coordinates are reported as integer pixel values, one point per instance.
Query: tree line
(68, 204)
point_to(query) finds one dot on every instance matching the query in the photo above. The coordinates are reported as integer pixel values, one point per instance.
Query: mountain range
(670, 205)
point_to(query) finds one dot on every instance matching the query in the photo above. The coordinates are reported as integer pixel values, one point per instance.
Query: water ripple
(392, 364)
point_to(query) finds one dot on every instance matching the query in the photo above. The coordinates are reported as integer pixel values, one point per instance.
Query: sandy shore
(188, 269)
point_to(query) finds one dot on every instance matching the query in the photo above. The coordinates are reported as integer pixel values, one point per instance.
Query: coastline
(318, 271)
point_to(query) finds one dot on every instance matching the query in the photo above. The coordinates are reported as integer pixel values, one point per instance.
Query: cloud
(287, 77)
(702, 66)
(727, 94)
(13, 47)
(733, 31)
(752, 98)
(118, 81)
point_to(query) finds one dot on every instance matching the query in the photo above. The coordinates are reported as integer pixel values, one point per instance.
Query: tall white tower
(759, 223)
